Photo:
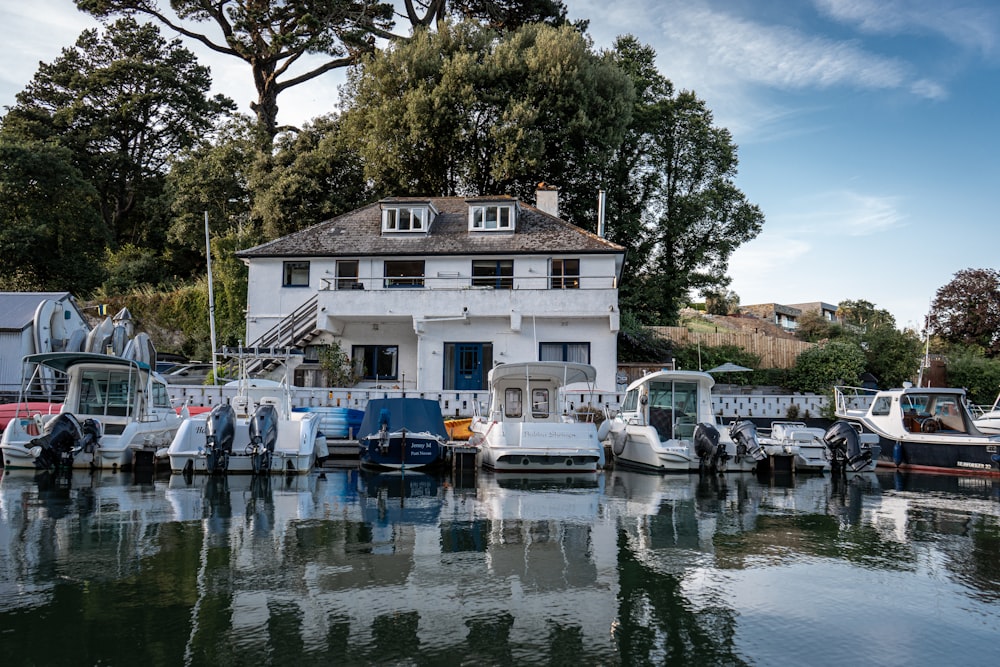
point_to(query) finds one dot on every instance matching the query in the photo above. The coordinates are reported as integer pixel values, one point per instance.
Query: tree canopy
(466, 110)
(123, 101)
(967, 310)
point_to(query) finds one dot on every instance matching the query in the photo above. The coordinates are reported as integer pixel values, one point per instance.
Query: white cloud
(970, 26)
(750, 52)
(845, 212)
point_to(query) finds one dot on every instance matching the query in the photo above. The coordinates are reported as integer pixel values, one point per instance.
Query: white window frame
(406, 219)
(504, 217)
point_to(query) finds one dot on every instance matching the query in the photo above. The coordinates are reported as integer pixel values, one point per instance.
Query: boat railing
(853, 399)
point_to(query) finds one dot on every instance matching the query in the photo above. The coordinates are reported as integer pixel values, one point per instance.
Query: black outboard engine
(711, 453)
(219, 434)
(263, 436)
(845, 447)
(64, 438)
(744, 433)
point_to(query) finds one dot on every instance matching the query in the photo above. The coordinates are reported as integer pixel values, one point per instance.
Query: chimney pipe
(601, 199)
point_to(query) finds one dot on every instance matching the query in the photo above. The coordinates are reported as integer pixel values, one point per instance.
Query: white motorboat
(811, 452)
(989, 421)
(527, 427)
(115, 411)
(255, 432)
(666, 423)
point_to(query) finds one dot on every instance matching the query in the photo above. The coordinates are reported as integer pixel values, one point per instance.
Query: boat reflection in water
(616, 567)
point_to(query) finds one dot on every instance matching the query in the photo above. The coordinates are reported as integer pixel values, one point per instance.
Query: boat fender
(603, 430)
(897, 453)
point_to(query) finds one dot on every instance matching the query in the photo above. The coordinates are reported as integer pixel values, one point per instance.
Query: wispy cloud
(782, 57)
(972, 26)
(846, 212)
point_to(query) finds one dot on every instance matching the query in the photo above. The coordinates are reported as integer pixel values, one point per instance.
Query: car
(191, 373)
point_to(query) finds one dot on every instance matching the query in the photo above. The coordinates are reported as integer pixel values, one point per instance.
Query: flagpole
(211, 303)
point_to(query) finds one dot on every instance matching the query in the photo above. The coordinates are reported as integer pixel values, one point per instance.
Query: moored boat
(114, 411)
(921, 428)
(256, 432)
(527, 429)
(666, 423)
(989, 421)
(402, 433)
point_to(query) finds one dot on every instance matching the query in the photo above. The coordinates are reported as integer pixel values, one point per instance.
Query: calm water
(616, 568)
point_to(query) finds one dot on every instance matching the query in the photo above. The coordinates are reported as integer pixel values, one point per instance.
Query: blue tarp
(416, 415)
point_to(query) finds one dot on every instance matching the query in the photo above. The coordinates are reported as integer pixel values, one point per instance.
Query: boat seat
(662, 419)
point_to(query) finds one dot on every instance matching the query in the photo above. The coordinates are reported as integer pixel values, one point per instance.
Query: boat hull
(297, 447)
(398, 452)
(930, 455)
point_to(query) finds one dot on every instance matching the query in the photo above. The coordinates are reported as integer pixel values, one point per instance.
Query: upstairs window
(565, 274)
(407, 273)
(495, 273)
(406, 218)
(347, 274)
(491, 217)
(295, 274)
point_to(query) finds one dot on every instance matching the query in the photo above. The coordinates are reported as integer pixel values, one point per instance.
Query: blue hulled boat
(402, 433)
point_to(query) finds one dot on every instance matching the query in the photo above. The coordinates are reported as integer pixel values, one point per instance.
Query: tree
(812, 327)
(967, 310)
(468, 111)
(271, 37)
(892, 356)
(316, 175)
(864, 315)
(693, 214)
(496, 14)
(51, 237)
(123, 102)
(837, 362)
(721, 302)
(968, 368)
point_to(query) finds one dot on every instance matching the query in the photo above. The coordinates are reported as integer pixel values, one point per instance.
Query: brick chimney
(547, 199)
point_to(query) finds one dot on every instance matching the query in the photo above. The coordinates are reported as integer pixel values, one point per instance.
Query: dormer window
(407, 217)
(491, 217)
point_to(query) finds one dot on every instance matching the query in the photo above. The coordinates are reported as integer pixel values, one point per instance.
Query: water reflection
(611, 568)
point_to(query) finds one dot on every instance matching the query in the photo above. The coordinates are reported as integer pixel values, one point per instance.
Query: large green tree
(967, 310)
(674, 176)
(864, 315)
(51, 237)
(466, 110)
(123, 101)
(271, 37)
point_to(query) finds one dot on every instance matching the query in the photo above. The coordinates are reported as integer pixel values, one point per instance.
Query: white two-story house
(429, 294)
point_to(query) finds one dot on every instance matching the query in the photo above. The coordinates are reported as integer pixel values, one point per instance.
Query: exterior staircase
(295, 330)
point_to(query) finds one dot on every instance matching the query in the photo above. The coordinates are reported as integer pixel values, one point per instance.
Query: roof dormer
(492, 215)
(407, 217)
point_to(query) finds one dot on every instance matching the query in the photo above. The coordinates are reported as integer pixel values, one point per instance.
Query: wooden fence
(773, 352)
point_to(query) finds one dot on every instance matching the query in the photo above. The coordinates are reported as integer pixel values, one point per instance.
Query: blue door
(468, 366)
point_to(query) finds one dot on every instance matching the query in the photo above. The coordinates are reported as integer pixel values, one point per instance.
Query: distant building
(787, 316)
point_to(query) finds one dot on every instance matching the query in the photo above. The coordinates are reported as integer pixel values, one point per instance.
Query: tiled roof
(359, 233)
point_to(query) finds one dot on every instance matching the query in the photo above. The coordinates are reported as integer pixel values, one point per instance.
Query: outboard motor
(383, 431)
(64, 438)
(711, 453)
(744, 433)
(263, 436)
(219, 434)
(845, 447)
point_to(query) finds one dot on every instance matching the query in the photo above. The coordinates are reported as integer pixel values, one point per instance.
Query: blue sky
(869, 130)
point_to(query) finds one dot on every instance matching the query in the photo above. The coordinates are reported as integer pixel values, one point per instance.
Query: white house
(428, 294)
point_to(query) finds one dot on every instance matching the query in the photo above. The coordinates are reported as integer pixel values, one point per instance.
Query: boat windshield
(106, 392)
(673, 408)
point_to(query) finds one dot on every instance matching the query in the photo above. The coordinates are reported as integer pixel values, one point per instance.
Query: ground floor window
(375, 362)
(575, 352)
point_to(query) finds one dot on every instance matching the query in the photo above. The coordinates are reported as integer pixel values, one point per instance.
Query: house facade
(429, 294)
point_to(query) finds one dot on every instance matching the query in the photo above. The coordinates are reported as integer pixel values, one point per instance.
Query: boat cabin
(672, 402)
